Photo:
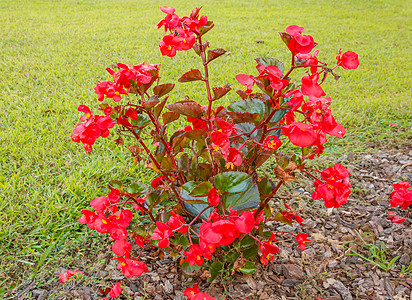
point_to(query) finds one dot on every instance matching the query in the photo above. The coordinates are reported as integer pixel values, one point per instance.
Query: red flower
(394, 218)
(274, 76)
(202, 296)
(171, 20)
(299, 43)
(110, 90)
(88, 218)
(116, 290)
(131, 268)
(161, 233)
(66, 276)
(302, 239)
(336, 188)
(190, 292)
(197, 123)
(245, 223)
(272, 142)
(349, 60)
(158, 181)
(213, 197)
(233, 158)
(300, 134)
(291, 215)
(121, 247)
(401, 196)
(310, 59)
(194, 255)
(247, 81)
(268, 250)
(228, 231)
(168, 46)
(311, 87)
(176, 222)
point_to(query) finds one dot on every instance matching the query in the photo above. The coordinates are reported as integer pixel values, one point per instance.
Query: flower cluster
(335, 188)
(402, 195)
(95, 126)
(182, 30)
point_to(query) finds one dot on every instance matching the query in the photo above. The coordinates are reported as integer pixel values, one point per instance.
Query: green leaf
(247, 241)
(232, 182)
(141, 122)
(281, 218)
(136, 188)
(282, 161)
(194, 205)
(115, 184)
(250, 106)
(156, 196)
(215, 269)
(181, 239)
(187, 108)
(267, 61)
(251, 252)
(188, 269)
(249, 268)
(247, 127)
(202, 189)
(183, 162)
(248, 199)
(278, 115)
(231, 256)
(265, 187)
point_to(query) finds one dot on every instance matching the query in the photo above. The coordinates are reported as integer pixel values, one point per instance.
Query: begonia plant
(207, 202)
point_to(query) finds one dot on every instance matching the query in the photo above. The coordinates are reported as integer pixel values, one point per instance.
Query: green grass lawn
(53, 52)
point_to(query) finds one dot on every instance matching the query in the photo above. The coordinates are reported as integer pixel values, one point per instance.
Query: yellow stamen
(215, 148)
(104, 221)
(88, 115)
(116, 93)
(318, 111)
(330, 187)
(169, 48)
(230, 166)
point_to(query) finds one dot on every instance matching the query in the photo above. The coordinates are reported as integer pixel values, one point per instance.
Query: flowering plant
(207, 202)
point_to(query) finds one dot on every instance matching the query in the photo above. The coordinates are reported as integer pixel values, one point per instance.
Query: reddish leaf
(285, 37)
(149, 104)
(187, 108)
(158, 109)
(163, 89)
(220, 91)
(281, 218)
(242, 94)
(244, 117)
(192, 75)
(215, 53)
(169, 117)
(204, 29)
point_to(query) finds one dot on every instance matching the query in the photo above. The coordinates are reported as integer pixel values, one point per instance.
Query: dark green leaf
(215, 269)
(181, 239)
(247, 127)
(202, 189)
(156, 196)
(278, 115)
(267, 61)
(248, 199)
(265, 187)
(251, 106)
(136, 188)
(282, 161)
(247, 241)
(232, 182)
(231, 256)
(250, 252)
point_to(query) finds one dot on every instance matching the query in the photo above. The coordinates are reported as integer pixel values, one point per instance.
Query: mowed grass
(53, 52)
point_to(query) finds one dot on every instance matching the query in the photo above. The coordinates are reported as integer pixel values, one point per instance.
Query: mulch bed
(323, 270)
